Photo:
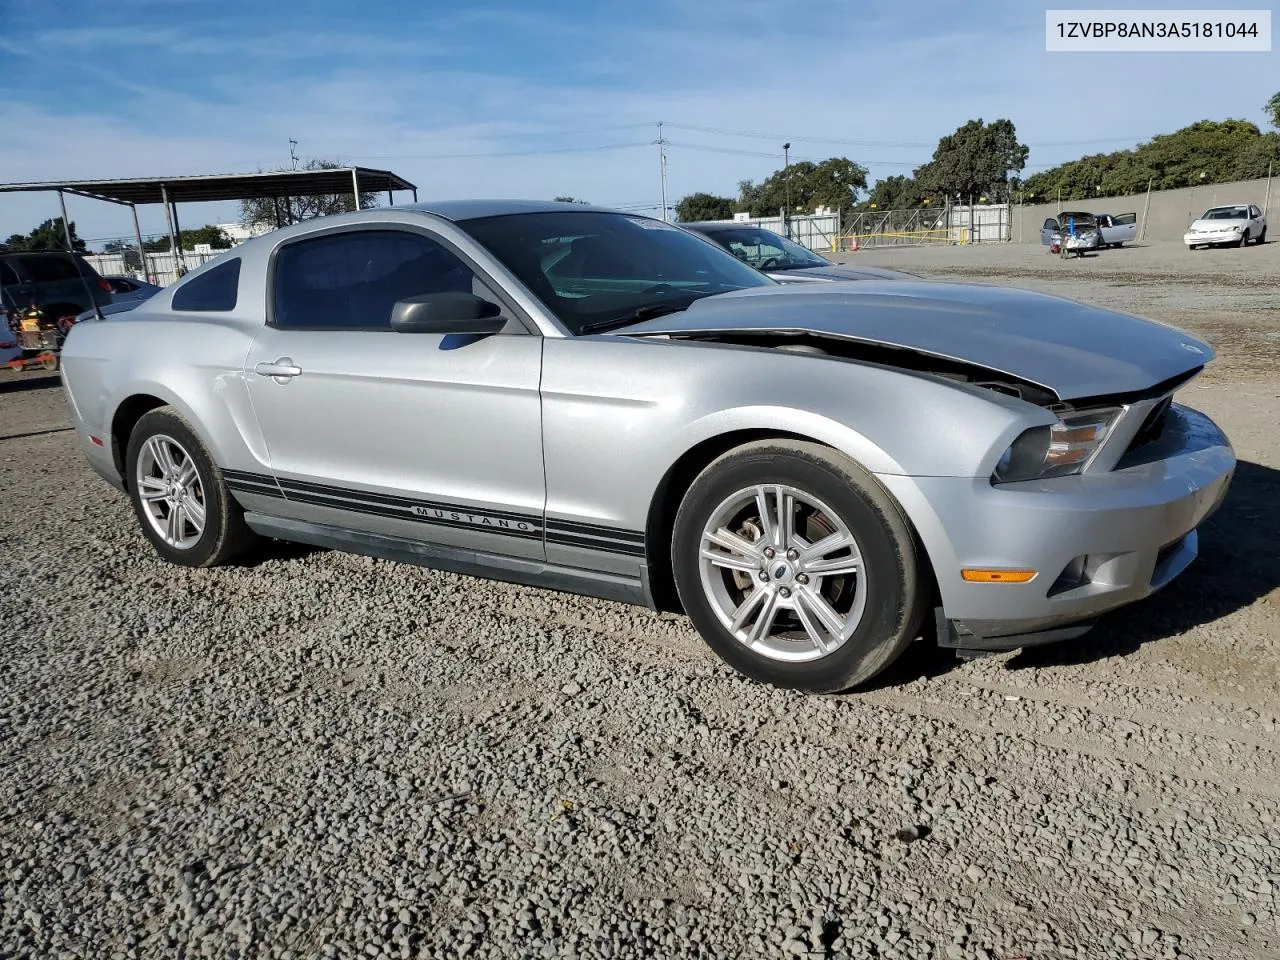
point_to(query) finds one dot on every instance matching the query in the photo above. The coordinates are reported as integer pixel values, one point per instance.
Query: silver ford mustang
(590, 401)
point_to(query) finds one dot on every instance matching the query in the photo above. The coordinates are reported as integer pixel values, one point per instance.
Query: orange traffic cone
(853, 245)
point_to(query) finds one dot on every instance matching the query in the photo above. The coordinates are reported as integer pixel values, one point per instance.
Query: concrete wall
(1171, 210)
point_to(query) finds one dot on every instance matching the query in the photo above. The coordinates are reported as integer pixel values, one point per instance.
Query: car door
(412, 435)
(1047, 231)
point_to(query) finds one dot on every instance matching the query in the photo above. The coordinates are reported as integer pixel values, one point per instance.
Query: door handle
(280, 370)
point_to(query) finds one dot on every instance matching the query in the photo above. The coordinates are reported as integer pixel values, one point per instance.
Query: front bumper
(1218, 236)
(1098, 541)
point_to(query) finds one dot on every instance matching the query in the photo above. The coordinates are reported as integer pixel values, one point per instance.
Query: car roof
(458, 210)
(715, 226)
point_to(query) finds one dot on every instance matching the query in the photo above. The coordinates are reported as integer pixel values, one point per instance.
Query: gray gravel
(326, 755)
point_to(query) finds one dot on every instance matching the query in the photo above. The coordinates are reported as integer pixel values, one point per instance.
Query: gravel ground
(318, 754)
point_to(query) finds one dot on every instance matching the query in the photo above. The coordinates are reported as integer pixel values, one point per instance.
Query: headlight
(1059, 450)
(1236, 228)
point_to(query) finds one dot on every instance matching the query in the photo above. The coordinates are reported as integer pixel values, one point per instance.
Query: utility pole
(293, 156)
(786, 179)
(662, 168)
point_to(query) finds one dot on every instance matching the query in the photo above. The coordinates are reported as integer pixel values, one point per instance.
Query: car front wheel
(178, 494)
(797, 567)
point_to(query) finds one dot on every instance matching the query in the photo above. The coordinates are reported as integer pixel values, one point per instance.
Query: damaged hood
(1073, 350)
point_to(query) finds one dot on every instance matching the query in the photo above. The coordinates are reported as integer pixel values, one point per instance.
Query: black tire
(1244, 239)
(896, 591)
(225, 534)
(1262, 237)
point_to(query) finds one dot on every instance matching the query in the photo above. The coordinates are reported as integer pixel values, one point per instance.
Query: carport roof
(233, 186)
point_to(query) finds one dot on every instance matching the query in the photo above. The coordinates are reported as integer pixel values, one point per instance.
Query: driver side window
(351, 280)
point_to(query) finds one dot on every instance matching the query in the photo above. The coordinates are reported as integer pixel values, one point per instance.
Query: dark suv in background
(60, 284)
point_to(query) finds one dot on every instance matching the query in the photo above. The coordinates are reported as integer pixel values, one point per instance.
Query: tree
(210, 234)
(894, 193)
(213, 235)
(48, 236)
(833, 183)
(569, 200)
(1209, 151)
(265, 210)
(1273, 110)
(975, 161)
(704, 206)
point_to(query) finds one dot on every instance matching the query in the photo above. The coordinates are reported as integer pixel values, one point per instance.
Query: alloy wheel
(783, 573)
(171, 492)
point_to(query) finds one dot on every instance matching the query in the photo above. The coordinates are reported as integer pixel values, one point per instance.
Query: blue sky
(435, 89)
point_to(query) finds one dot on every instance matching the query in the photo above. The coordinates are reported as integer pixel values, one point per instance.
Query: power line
(760, 135)
(494, 153)
(707, 148)
(494, 135)
(765, 135)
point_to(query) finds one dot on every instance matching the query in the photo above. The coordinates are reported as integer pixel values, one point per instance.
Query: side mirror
(445, 313)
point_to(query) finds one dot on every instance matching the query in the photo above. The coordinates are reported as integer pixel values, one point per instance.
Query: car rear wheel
(797, 567)
(178, 494)
(1262, 237)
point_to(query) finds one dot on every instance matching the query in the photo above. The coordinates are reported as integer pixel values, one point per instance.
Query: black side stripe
(594, 530)
(299, 486)
(569, 533)
(532, 531)
(626, 549)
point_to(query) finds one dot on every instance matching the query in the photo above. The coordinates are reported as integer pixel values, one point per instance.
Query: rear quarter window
(215, 290)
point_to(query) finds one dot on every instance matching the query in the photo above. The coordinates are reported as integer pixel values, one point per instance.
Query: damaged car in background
(1070, 232)
(573, 398)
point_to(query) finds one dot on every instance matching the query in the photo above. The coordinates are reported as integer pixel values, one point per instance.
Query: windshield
(1226, 213)
(765, 250)
(591, 269)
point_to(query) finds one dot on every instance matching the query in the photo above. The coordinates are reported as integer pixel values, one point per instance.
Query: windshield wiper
(641, 313)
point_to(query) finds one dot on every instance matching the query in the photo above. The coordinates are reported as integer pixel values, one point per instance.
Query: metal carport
(171, 191)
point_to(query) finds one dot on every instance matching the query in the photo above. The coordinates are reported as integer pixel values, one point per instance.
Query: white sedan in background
(1237, 224)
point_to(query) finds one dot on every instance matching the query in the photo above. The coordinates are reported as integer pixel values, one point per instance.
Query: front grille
(1152, 427)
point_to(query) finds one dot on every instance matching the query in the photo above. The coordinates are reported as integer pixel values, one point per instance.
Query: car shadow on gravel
(21, 382)
(285, 551)
(1238, 564)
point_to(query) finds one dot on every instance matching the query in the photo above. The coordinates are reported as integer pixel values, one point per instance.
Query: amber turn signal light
(984, 575)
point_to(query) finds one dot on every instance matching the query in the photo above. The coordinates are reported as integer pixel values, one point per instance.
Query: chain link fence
(949, 224)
